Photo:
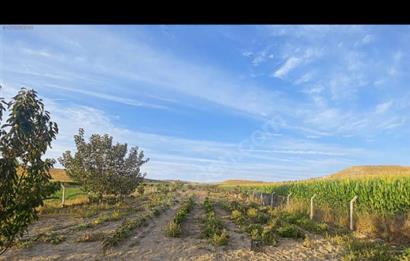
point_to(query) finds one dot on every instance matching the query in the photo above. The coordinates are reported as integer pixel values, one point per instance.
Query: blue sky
(209, 103)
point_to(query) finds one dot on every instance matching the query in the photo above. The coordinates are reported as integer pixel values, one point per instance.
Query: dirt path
(69, 249)
(152, 244)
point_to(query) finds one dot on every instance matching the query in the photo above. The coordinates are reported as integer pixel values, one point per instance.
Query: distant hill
(61, 175)
(371, 171)
(242, 181)
(352, 173)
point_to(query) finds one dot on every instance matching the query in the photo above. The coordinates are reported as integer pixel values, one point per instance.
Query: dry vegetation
(381, 211)
(371, 171)
(176, 221)
(351, 173)
(60, 175)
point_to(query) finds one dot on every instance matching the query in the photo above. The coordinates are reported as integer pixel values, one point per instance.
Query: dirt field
(150, 242)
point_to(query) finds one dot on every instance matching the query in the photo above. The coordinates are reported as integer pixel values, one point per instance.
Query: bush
(237, 217)
(291, 231)
(220, 239)
(268, 236)
(252, 212)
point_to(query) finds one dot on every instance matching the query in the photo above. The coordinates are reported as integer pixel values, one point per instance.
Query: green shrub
(220, 239)
(252, 212)
(291, 231)
(268, 236)
(405, 256)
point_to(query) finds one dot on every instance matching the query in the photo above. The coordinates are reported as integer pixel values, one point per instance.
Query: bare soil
(151, 243)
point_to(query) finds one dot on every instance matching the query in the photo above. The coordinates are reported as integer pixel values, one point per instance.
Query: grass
(71, 192)
(173, 229)
(73, 196)
(358, 249)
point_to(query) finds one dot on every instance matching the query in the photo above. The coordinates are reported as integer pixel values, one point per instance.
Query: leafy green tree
(103, 168)
(24, 175)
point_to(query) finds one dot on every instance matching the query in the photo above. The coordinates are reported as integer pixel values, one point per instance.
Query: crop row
(213, 228)
(377, 195)
(265, 225)
(158, 203)
(173, 228)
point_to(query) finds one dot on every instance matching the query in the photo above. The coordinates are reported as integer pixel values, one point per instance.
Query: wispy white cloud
(109, 97)
(174, 157)
(288, 66)
(147, 67)
(383, 107)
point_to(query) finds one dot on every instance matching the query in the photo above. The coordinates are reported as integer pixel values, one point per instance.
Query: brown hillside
(352, 172)
(56, 174)
(60, 175)
(371, 171)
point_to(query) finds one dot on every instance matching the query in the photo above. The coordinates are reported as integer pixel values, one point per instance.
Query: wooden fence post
(271, 200)
(311, 206)
(288, 199)
(262, 201)
(63, 195)
(351, 213)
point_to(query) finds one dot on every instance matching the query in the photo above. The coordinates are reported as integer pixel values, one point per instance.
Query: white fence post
(63, 195)
(288, 199)
(351, 212)
(262, 201)
(271, 200)
(311, 206)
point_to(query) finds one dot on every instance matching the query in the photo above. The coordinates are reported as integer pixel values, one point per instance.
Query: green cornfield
(376, 195)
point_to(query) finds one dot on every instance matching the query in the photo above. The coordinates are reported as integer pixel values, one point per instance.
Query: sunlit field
(226, 221)
(205, 142)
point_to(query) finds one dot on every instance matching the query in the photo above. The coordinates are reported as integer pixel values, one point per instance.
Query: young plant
(174, 228)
